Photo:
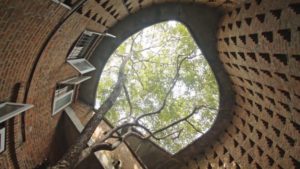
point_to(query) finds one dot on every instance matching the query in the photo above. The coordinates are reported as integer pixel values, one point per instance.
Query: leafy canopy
(154, 55)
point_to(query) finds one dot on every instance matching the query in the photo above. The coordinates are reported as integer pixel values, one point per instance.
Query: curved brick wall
(258, 44)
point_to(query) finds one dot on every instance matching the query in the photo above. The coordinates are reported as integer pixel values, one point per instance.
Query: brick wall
(259, 46)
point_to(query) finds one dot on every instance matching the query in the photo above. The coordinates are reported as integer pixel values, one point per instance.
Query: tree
(156, 96)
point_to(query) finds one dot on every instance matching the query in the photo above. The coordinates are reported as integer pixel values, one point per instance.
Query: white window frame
(2, 139)
(75, 80)
(59, 97)
(73, 61)
(15, 112)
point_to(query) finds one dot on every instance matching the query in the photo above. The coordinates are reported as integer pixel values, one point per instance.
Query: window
(9, 110)
(81, 65)
(75, 80)
(83, 44)
(62, 99)
(2, 139)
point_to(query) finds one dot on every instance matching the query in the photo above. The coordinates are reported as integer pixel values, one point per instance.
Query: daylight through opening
(169, 90)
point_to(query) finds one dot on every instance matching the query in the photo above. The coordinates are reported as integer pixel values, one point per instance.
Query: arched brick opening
(202, 28)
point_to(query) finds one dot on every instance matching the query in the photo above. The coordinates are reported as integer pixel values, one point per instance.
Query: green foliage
(155, 52)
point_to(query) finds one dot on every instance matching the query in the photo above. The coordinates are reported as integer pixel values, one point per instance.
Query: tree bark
(69, 160)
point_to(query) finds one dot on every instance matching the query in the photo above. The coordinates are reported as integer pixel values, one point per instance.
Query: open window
(75, 80)
(81, 65)
(66, 3)
(9, 110)
(63, 98)
(2, 138)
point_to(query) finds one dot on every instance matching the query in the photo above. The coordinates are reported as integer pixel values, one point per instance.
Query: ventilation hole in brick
(98, 1)
(243, 98)
(230, 158)
(259, 134)
(129, 8)
(298, 110)
(295, 77)
(237, 130)
(109, 8)
(270, 160)
(238, 10)
(229, 13)
(276, 131)
(268, 36)
(285, 34)
(259, 95)
(117, 15)
(248, 113)
(251, 143)
(215, 155)
(226, 40)
(267, 73)
(223, 28)
(250, 159)
(235, 143)
(209, 166)
(282, 58)
(94, 17)
(269, 142)
(257, 166)
(296, 57)
(265, 56)
(296, 125)
(254, 70)
(280, 151)
(281, 118)
(243, 39)
(233, 54)
(140, 1)
(260, 17)
(259, 107)
(285, 106)
(285, 93)
(100, 20)
(230, 26)
(265, 123)
(270, 87)
(252, 56)
(225, 150)
(245, 68)
(269, 111)
(295, 162)
(233, 39)
(255, 117)
(244, 136)
(104, 4)
(247, 5)
(243, 122)
(113, 12)
(236, 66)
(290, 140)
(104, 23)
(276, 13)
(250, 91)
(242, 80)
(259, 85)
(228, 64)
(238, 24)
(237, 166)
(88, 14)
(254, 37)
(250, 102)
(295, 7)
(248, 21)
(227, 55)
(241, 87)
(260, 151)
(243, 151)
(220, 163)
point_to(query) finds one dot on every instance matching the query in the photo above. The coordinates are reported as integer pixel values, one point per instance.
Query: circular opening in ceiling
(168, 79)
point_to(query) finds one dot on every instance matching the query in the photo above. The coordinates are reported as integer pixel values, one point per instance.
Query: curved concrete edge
(202, 22)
